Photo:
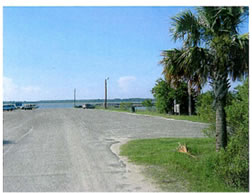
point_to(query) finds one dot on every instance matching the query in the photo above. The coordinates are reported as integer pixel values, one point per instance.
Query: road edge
(134, 173)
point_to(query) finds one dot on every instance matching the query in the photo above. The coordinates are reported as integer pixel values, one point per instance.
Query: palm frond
(239, 57)
(185, 26)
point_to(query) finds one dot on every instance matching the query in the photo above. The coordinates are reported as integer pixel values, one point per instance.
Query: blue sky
(49, 51)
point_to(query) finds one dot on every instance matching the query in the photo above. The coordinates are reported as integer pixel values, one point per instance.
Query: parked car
(19, 105)
(78, 106)
(9, 107)
(29, 106)
(88, 106)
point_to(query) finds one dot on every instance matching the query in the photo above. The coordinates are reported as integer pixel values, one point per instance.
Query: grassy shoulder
(193, 118)
(170, 166)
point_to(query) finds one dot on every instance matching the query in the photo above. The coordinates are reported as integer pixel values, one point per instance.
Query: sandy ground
(134, 172)
(76, 150)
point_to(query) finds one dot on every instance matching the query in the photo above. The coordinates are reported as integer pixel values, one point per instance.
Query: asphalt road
(69, 149)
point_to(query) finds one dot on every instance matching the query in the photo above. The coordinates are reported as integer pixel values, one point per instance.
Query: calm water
(67, 105)
(53, 105)
(57, 105)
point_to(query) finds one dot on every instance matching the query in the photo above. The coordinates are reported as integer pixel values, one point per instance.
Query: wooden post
(105, 102)
(74, 96)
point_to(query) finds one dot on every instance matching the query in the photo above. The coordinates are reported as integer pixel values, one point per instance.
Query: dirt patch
(134, 173)
(148, 178)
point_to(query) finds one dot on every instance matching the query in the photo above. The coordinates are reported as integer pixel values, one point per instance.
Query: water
(53, 104)
(68, 105)
(65, 104)
(57, 105)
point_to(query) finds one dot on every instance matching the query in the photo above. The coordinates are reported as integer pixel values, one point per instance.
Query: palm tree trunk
(189, 90)
(220, 87)
(221, 127)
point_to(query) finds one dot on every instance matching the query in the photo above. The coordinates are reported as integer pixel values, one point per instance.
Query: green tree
(148, 103)
(165, 96)
(175, 73)
(204, 108)
(213, 48)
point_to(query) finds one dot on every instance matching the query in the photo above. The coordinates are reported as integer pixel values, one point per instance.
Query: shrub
(165, 96)
(237, 112)
(204, 108)
(125, 106)
(148, 104)
(233, 163)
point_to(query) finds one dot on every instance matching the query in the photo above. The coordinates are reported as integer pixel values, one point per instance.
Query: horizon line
(75, 100)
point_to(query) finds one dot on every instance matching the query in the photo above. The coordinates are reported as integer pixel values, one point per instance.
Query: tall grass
(168, 166)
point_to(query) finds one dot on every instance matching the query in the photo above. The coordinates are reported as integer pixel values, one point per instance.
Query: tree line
(212, 51)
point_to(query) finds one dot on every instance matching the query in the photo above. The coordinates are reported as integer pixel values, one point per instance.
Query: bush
(148, 104)
(165, 96)
(233, 163)
(237, 112)
(125, 106)
(206, 112)
(204, 108)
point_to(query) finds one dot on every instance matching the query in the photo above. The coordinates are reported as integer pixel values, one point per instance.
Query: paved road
(69, 149)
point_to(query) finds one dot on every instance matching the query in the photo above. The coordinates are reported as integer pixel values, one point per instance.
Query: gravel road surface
(69, 149)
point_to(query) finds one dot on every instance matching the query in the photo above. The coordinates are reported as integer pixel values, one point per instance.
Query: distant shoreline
(116, 100)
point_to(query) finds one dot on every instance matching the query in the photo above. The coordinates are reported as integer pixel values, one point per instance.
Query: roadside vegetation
(204, 170)
(153, 112)
(212, 51)
(193, 118)
(168, 166)
(226, 170)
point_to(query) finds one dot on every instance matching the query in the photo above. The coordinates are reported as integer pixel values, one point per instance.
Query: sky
(49, 51)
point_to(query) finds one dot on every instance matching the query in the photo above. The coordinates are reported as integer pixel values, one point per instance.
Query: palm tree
(175, 73)
(213, 46)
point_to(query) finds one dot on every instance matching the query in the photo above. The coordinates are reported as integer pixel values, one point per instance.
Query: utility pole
(105, 102)
(74, 96)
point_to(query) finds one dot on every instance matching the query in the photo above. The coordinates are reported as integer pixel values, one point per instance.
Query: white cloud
(30, 89)
(9, 88)
(126, 83)
(13, 91)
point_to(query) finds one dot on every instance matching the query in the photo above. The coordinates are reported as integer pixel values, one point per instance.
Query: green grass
(193, 118)
(169, 167)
